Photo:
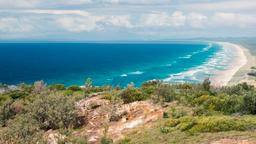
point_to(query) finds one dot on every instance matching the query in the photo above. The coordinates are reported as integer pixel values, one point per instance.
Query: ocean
(116, 64)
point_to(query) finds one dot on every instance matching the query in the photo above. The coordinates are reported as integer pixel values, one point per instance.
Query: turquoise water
(108, 63)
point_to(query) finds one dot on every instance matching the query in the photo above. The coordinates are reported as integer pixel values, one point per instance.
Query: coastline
(239, 61)
(242, 74)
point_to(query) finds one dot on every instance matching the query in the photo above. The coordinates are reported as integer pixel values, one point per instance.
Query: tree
(250, 103)
(207, 84)
(131, 94)
(54, 112)
(88, 83)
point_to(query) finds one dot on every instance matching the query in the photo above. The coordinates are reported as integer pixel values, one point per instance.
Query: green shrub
(105, 140)
(166, 130)
(165, 93)
(201, 111)
(206, 84)
(229, 104)
(186, 123)
(131, 94)
(171, 123)
(149, 87)
(68, 92)
(177, 113)
(113, 96)
(15, 94)
(78, 140)
(54, 112)
(207, 101)
(74, 88)
(223, 123)
(6, 112)
(21, 130)
(165, 115)
(223, 103)
(217, 123)
(250, 103)
(4, 98)
(57, 87)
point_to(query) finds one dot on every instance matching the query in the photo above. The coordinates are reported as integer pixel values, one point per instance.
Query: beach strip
(239, 60)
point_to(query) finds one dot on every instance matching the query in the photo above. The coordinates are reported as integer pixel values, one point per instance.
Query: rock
(127, 117)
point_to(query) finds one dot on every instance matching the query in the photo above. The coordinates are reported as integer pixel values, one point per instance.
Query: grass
(153, 135)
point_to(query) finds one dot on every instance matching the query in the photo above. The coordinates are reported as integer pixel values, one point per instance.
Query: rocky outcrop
(112, 120)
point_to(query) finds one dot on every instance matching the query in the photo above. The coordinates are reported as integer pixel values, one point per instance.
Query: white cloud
(196, 20)
(233, 20)
(178, 19)
(175, 19)
(224, 5)
(8, 4)
(73, 2)
(155, 19)
(82, 21)
(59, 12)
(145, 2)
(80, 24)
(15, 25)
(120, 21)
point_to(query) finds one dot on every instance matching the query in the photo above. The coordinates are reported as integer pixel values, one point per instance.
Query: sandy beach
(242, 74)
(240, 60)
(237, 71)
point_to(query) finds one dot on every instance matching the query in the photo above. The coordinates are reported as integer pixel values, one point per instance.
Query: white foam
(197, 52)
(124, 75)
(136, 73)
(187, 56)
(208, 68)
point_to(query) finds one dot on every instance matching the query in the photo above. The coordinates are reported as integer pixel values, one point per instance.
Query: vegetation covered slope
(192, 112)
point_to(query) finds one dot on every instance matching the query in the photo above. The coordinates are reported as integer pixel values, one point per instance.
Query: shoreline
(240, 60)
(242, 74)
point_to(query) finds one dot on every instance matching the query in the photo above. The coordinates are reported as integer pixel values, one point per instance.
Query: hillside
(153, 113)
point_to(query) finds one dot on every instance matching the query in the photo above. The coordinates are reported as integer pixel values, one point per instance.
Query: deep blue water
(113, 64)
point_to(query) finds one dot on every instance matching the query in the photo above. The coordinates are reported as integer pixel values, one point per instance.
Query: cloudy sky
(89, 20)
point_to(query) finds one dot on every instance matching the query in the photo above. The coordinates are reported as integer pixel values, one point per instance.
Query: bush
(165, 115)
(105, 140)
(4, 98)
(206, 84)
(57, 87)
(54, 112)
(223, 103)
(186, 123)
(150, 87)
(250, 103)
(131, 94)
(6, 112)
(112, 96)
(171, 123)
(229, 104)
(23, 129)
(165, 93)
(17, 94)
(74, 88)
(206, 101)
(177, 113)
(218, 123)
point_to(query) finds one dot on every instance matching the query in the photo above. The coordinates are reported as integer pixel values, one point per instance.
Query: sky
(99, 20)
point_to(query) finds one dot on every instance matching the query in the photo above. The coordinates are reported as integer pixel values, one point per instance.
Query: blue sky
(89, 20)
